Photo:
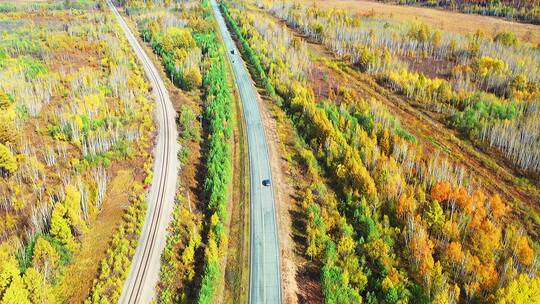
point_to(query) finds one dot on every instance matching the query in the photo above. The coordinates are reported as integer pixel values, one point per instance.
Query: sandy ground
(450, 21)
(284, 193)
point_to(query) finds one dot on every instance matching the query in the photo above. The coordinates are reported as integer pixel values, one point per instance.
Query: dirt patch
(450, 21)
(323, 82)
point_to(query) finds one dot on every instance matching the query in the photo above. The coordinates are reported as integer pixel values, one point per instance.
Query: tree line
(526, 11)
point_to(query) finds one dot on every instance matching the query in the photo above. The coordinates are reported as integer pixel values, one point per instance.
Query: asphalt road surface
(144, 272)
(264, 280)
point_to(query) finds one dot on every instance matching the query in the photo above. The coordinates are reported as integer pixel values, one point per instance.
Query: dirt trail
(491, 172)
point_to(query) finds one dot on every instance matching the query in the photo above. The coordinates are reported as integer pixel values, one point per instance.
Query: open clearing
(449, 21)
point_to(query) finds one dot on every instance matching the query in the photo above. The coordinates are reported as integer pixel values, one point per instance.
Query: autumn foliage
(403, 228)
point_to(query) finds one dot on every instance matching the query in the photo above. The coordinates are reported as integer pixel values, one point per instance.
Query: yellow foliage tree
(7, 129)
(176, 37)
(524, 251)
(60, 227)
(9, 268)
(521, 290)
(73, 208)
(4, 101)
(40, 291)
(8, 163)
(16, 292)
(45, 258)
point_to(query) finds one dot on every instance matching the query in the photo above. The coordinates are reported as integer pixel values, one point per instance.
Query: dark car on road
(266, 182)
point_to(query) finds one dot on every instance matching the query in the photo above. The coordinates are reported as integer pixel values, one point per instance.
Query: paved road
(265, 280)
(144, 273)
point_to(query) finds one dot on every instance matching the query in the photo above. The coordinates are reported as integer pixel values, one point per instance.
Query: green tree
(316, 230)
(506, 38)
(187, 124)
(335, 285)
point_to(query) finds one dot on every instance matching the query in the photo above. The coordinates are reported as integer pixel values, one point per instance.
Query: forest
(405, 227)
(485, 86)
(75, 116)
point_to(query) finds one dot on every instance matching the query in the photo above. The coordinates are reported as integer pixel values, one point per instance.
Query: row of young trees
(379, 216)
(218, 113)
(114, 268)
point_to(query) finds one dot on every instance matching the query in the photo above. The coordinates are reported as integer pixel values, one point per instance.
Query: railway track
(143, 276)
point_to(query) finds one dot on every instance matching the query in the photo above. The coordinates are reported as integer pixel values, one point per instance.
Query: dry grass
(449, 21)
(236, 284)
(78, 276)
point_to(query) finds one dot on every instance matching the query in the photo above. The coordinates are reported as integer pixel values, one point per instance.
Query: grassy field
(449, 21)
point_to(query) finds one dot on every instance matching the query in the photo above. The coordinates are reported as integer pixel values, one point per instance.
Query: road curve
(139, 286)
(265, 277)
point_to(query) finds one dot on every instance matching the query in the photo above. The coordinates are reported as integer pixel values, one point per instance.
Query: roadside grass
(234, 285)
